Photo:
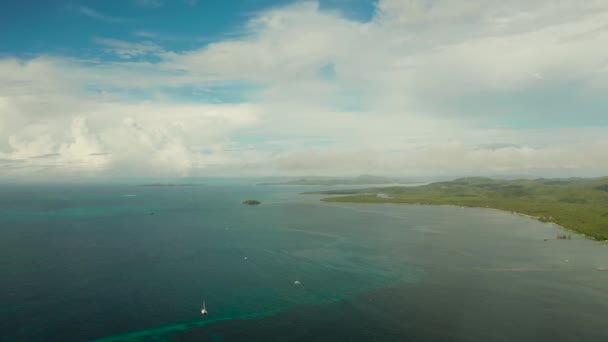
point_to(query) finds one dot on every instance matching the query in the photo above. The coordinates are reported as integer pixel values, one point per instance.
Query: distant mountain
(173, 184)
(360, 180)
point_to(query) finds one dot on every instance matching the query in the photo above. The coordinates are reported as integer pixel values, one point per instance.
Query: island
(576, 204)
(252, 202)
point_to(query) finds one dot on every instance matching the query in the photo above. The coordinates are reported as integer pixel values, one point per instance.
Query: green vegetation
(577, 204)
(252, 202)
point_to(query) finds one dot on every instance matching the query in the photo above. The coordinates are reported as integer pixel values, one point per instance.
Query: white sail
(204, 310)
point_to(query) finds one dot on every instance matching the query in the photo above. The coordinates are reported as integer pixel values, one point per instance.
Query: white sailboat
(204, 310)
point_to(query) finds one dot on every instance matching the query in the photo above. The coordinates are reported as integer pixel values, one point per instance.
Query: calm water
(121, 262)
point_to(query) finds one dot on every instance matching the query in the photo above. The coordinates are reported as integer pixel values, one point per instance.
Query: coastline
(537, 218)
(576, 205)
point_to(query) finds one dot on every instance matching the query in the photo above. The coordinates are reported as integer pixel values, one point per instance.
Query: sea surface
(126, 262)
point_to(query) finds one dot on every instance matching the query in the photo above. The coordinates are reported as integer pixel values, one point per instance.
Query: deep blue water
(127, 262)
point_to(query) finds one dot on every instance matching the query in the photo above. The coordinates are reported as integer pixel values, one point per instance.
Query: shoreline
(576, 205)
(536, 218)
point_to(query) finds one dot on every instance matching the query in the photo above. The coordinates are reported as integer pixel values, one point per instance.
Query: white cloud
(91, 13)
(453, 158)
(383, 112)
(128, 50)
(103, 136)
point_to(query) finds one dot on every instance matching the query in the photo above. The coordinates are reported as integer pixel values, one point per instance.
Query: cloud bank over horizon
(414, 87)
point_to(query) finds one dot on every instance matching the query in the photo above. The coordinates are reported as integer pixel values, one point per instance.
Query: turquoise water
(121, 262)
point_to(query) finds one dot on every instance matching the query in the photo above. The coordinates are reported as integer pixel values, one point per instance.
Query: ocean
(126, 262)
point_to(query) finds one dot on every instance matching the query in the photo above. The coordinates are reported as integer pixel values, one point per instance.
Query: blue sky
(336, 87)
(69, 27)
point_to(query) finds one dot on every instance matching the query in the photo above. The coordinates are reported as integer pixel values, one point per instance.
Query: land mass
(360, 180)
(577, 204)
(173, 184)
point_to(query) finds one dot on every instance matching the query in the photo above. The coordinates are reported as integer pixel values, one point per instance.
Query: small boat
(204, 310)
(297, 283)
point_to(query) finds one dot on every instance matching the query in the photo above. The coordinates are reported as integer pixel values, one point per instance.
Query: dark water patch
(468, 310)
(168, 332)
(603, 187)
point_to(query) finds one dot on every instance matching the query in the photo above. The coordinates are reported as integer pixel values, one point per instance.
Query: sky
(187, 88)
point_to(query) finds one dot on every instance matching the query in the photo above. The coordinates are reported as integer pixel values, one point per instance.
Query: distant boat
(297, 283)
(204, 310)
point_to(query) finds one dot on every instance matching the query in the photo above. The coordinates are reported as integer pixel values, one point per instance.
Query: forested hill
(579, 204)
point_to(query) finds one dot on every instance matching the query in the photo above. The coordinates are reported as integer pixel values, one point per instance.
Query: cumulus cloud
(423, 87)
